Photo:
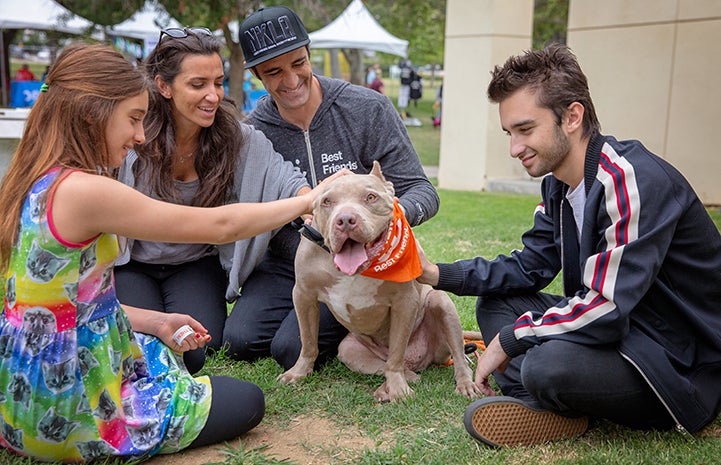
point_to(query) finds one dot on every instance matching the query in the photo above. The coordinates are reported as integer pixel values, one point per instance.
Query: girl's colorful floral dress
(76, 383)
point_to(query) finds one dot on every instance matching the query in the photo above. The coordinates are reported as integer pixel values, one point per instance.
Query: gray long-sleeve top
(260, 176)
(352, 127)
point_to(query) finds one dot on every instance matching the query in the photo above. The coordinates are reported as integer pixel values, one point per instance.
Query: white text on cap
(265, 36)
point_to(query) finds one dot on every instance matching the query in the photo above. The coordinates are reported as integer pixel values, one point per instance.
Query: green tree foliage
(103, 12)
(550, 22)
(421, 23)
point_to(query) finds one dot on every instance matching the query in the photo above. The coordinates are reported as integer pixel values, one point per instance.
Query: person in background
(247, 89)
(438, 107)
(416, 88)
(404, 92)
(377, 83)
(322, 125)
(196, 153)
(85, 377)
(636, 336)
(372, 73)
(24, 74)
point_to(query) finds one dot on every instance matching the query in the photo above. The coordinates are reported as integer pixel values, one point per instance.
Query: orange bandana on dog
(399, 260)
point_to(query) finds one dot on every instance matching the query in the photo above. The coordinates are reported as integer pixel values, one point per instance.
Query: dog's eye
(371, 197)
(325, 202)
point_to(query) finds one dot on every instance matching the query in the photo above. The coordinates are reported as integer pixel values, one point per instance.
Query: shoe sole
(511, 423)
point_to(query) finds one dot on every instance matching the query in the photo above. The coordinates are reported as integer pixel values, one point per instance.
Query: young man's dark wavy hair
(556, 77)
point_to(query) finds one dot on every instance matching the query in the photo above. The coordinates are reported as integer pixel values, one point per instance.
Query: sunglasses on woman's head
(182, 32)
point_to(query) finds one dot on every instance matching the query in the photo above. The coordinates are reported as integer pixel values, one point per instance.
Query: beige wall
(654, 71)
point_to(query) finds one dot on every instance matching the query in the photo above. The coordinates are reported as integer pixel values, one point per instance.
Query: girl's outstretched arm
(85, 205)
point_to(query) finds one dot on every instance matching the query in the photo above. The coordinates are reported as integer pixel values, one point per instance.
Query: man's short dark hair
(556, 77)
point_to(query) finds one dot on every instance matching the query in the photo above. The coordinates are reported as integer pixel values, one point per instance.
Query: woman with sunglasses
(196, 153)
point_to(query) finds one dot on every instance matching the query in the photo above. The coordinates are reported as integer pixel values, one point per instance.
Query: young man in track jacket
(636, 337)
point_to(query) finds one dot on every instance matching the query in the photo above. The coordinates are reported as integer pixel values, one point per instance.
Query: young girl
(80, 377)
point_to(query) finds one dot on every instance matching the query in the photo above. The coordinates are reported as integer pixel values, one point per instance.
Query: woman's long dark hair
(216, 156)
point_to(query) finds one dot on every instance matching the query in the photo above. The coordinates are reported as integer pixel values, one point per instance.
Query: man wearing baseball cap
(322, 125)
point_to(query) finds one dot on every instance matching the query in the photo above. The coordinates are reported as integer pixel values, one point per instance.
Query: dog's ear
(376, 171)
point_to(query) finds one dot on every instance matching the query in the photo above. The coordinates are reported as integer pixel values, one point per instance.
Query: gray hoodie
(261, 176)
(353, 127)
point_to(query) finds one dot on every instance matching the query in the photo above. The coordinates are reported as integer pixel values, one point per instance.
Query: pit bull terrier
(397, 325)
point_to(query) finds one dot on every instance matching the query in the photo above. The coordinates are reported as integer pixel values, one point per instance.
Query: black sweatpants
(194, 288)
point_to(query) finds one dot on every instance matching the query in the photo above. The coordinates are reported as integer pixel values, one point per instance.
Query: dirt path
(307, 440)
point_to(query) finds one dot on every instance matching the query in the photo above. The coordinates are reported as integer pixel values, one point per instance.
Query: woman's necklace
(183, 158)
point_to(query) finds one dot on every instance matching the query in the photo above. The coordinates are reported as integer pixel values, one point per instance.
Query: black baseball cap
(271, 32)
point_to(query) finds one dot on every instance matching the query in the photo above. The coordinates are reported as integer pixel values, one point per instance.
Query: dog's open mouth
(354, 257)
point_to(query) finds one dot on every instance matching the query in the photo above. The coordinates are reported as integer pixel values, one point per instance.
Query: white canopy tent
(40, 14)
(36, 14)
(145, 24)
(357, 28)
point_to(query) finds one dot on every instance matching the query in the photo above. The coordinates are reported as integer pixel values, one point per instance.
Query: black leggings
(237, 407)
(195, 288)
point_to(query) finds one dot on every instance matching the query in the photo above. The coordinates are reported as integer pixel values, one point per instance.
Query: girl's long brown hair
(66, 126)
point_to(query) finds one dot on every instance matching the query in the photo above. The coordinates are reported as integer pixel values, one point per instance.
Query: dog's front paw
(394, 389)
(464, 380)
(291, 376)
(300, 370)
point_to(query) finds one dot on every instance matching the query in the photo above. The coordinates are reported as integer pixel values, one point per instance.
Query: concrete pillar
(479, 35)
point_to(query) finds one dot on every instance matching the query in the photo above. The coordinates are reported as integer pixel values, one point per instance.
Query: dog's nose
(345, 221)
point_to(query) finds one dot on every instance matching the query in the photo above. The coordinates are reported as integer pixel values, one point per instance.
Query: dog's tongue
(351, 256)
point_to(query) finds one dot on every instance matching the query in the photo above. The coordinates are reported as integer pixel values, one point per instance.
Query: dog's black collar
(310, 233)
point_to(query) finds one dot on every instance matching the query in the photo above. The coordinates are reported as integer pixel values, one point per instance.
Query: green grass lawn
(426, 139)
(428, 429)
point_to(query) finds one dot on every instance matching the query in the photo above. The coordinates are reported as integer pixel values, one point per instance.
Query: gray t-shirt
(166, 253)
(260, 176)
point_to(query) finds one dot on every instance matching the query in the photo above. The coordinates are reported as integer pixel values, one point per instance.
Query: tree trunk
(236, 71)
(355, 59)
(334, 63)
(7, 37)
